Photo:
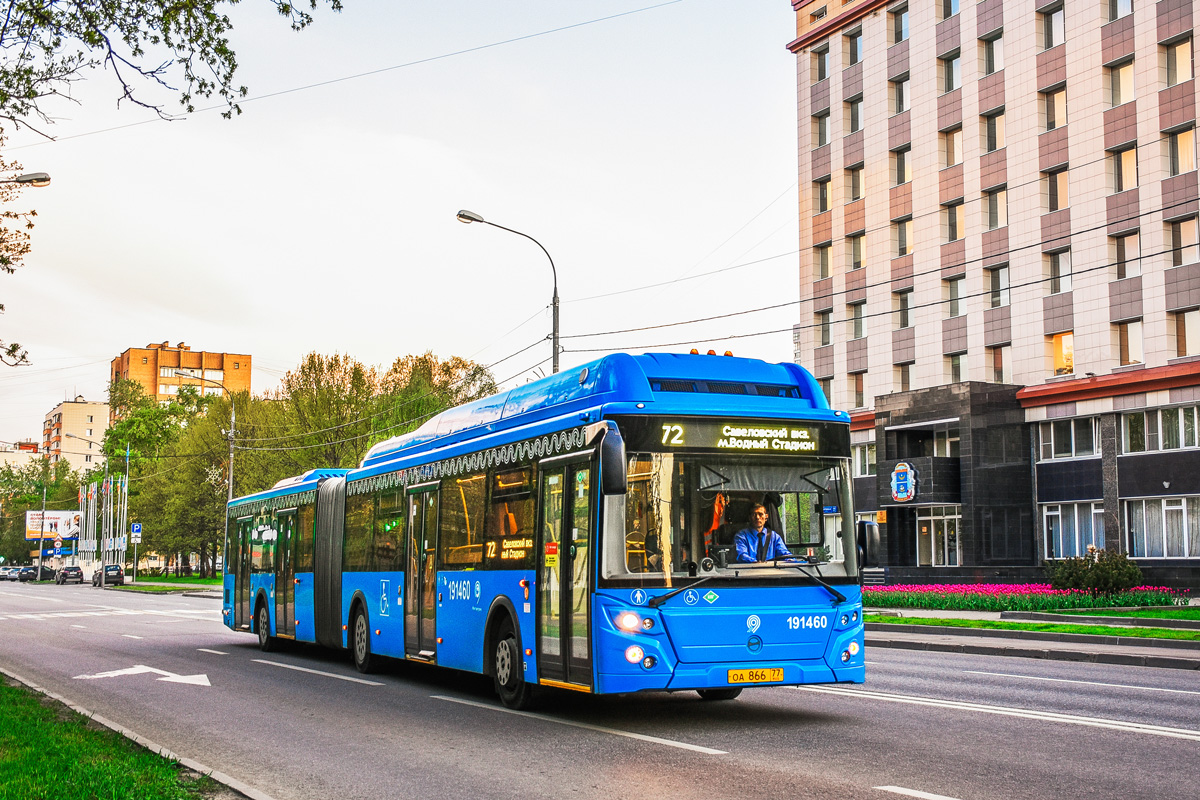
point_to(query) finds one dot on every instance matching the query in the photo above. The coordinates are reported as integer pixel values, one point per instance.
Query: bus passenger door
(285, 576)
(241, 601)
(564, 570)
(420, 575)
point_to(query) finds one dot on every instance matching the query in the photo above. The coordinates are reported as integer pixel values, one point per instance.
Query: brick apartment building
(156, 368)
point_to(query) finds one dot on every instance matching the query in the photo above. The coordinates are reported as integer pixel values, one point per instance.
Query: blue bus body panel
(382, 592)
(465, 598)
(229, 584)
(306, 626)
(262, 583)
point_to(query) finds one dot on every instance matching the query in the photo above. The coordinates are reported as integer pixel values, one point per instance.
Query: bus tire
(718, 694)
(262, 626)
(360, 641)
(508, 669)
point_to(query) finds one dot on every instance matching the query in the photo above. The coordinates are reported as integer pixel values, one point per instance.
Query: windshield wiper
(841, 598)
(655, 602)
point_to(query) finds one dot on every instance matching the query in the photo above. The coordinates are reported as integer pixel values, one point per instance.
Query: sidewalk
(1115, 649)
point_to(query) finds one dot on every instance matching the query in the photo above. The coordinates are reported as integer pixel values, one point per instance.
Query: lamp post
(232, 424)
(29, 179)
(470, 216)
(100, 538)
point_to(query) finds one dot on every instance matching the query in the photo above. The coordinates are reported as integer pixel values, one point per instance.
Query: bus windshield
(682, 515)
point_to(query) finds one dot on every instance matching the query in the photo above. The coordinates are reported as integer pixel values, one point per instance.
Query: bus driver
(759, 543)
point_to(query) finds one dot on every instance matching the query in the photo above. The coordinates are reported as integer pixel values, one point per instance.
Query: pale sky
(650, 148)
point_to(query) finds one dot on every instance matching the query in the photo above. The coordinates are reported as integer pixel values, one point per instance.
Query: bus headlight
(628, 621)
(634, 654)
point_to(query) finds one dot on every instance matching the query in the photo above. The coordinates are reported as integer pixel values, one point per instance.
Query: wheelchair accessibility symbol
(691, 597)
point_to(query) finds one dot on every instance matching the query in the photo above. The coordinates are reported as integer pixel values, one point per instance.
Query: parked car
(6, 571)
(114, 575)
(69, 575)
(31, 574)
(14, 573)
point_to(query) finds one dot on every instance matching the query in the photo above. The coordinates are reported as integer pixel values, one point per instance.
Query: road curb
(1043, 636)
(1049, 654)
(220, 777)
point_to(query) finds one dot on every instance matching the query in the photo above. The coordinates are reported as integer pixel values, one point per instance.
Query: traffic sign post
(135, 536)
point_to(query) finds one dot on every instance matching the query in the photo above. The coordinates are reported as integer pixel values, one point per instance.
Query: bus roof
(660, 383)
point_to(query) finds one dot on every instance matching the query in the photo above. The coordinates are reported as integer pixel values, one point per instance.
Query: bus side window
(390, 516)
(509, 539)
(460, 538)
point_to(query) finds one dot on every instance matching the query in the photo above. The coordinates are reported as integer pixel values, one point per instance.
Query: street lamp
(468, 217)
(30, 179)
(179, 373)
(100, 538)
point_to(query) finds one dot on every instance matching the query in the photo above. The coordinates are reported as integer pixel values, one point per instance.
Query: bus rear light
(634, 654)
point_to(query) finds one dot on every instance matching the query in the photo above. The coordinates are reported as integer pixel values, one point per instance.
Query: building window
(87, 459)
(864, 460)
(1054, 108)
(1127, 255)
(143, 359)
(1179, 61)
(1057, 197)
(948, 8)
(1069, 438)
(859, 389)
(993, 132)
(1062, 346)
(1187, 333)
(1001, 358)
(900, 95)
(854, 315)
(903, 310)
(903, 377)
(826, 385)
(854, 47)
(999, 286)
(995, 209)
(821, 195)
(821, 261)
(993, 55)
(899, 24)
(951, 70)
(901, 166)
(1119, 8)
(88, 431)
(90, 418)
(953, 215)
(854, 250)
(854, 183)
(821, 64)
(1058, 265)
(954, 367)
(854, 114)
(1072, 527)
(818, 14)
(954, 289)
(1185, 247)
(902, 236)
(1159, 429)
(1181, 151)
(1123, 166)
(951, 142)
(1120, 83)
(1164, 527)
(821, 129)
(1053, 24)
(1129, 343)
(824, 328)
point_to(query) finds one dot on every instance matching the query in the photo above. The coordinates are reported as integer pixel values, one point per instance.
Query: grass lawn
(148, 589)
(182, 579)
(48, 751)
(1182, 612)
(1048, 627)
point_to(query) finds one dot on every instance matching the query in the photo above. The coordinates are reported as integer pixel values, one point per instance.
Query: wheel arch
(358, 600)
(501, 609)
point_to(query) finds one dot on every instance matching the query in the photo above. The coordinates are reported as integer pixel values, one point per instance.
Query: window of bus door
(564, 574)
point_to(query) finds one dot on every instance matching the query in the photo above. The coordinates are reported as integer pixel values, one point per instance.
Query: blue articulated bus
(587, 531)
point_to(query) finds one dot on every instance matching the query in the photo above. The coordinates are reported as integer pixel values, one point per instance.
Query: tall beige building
(86, 422)
(1000, 274)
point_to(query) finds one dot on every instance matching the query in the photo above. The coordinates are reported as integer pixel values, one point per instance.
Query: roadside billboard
(59, 525)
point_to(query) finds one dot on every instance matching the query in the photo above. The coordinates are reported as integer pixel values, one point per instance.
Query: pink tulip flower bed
(1012, 597)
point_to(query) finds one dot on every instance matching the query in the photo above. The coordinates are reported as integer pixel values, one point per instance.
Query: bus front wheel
(266, 642)
(360, 644)
(508, 670)
(718, 694)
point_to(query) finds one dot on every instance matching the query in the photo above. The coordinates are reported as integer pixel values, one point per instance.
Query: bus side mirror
(612, 462)
(867, 540)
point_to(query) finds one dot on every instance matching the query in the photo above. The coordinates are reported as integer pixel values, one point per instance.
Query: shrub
(1099, 572)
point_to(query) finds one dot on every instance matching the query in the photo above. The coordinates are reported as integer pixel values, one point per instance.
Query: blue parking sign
(136, 527)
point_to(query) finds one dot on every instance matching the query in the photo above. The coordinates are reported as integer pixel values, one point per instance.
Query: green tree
(14, 244)
(21, 491)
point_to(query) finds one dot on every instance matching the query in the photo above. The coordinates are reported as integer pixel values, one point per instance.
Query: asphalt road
(302, 723)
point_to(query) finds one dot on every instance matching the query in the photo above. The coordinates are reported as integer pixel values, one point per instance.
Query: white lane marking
(1085, 683)
(41, 597)
(318, 672)
(79, 626)
(196, 680)
(627, 734)
(913, 793)
(214, 652)
(1045, 716)
(131, 636)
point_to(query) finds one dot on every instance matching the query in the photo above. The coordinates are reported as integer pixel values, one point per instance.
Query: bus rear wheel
(508, 670)
(360, 643)
(262, 624)
(718, 694)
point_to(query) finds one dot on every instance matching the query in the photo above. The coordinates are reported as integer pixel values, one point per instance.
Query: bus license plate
(767, 675)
